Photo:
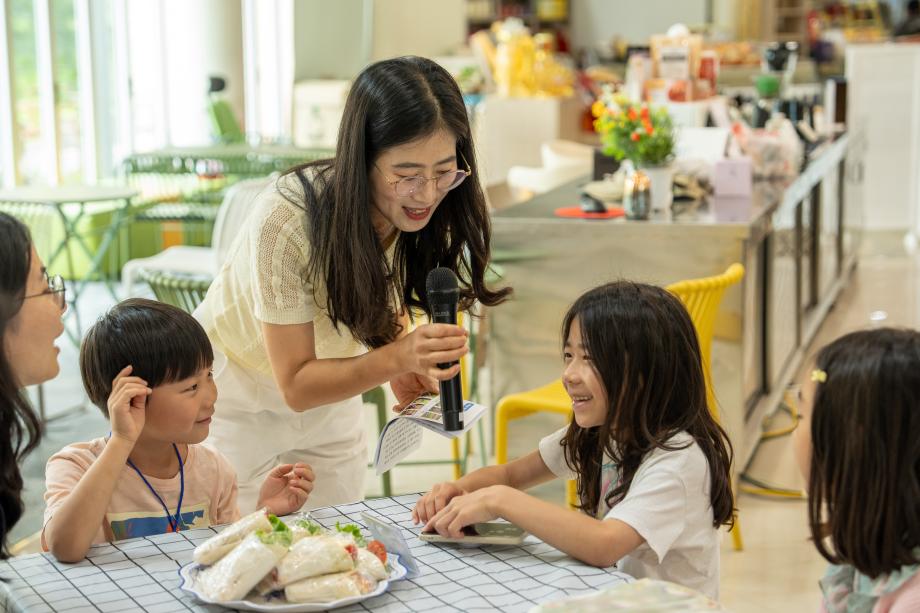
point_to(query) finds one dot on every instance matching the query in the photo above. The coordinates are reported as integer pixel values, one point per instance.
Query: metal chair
(195, 260)
(180, 290)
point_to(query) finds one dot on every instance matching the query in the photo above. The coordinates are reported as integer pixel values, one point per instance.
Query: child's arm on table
(593, 541)
(521, 474)
(70, 531)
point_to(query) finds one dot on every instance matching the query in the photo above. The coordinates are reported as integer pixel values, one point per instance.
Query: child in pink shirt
(858, 446)
(147, 365)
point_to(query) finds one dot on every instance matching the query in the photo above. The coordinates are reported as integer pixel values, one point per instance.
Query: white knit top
(264, 279)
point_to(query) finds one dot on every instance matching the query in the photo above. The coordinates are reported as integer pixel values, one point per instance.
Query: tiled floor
(777, 571)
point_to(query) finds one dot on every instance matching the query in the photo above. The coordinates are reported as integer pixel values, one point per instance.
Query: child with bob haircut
(858, 446)
(652, 464)
(147, 366)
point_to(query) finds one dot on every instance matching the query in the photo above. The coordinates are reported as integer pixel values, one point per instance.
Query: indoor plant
(642, 134)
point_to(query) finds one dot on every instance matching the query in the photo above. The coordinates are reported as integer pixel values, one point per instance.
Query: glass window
(67, 90)
(25, 92)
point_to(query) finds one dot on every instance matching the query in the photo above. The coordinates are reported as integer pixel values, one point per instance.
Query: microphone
(443, 294)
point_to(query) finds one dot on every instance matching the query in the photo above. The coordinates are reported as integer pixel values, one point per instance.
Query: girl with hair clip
(651, 463)
(31, 307)
(312, 307)
(858, 446)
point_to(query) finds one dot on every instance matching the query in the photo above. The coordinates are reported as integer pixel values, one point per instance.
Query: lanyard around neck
(174, 522)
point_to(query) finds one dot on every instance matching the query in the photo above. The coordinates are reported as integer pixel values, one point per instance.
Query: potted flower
(639, 133)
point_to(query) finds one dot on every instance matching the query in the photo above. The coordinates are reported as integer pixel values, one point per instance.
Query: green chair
(183, 291)
(224, 125)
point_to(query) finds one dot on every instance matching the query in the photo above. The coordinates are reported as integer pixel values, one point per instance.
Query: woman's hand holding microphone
(420, 353)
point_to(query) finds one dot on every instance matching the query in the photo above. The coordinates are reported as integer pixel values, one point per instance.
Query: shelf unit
(537, 14)
(775, 20)
(786, 20)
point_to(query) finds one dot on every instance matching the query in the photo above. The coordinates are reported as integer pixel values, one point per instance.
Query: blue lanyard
(174, 522)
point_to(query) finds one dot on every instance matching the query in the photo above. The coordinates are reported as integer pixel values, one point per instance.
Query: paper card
(392, 538)
(472, 413)
(674, 63)
(402, 436)
(399, 438)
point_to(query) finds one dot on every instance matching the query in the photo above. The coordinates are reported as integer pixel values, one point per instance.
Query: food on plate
(370, 564)
(378, 549)
(315, 556)
(220, 544)
(306, 561)
(328, 588)
(350, 530)
(235, 574)
(303, 528)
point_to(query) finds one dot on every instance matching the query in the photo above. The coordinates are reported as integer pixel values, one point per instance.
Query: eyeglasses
(55, 288)
(406, 186)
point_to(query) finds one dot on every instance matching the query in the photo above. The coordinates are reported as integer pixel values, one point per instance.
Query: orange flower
(632, 114)
(635, 136)
(648, 126)
(644, 112)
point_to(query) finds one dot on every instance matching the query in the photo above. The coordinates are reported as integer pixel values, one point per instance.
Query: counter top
(741, 217)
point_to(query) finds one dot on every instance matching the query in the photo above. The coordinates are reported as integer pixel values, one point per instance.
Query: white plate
(189, 572)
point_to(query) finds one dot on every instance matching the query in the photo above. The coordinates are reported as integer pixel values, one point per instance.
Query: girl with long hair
(858, 447)
(651, 463)
(313, 307)
(31, 305)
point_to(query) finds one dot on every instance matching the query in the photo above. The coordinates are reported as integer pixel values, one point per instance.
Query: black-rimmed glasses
(55, 288)
(444, 182)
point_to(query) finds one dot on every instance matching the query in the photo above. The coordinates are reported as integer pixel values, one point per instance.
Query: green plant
(633, 131)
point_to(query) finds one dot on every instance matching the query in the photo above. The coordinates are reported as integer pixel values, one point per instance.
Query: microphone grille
(441, 280)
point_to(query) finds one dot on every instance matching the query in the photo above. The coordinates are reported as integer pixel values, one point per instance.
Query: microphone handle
(450, 390)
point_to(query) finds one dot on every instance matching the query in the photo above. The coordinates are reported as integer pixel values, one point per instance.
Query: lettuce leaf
(353, 530)
(310, 526)
(280, 534)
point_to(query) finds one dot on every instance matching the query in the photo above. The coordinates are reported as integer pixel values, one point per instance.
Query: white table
(142, 574)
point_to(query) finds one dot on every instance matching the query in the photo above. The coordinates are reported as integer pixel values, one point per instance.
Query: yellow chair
(701, 297)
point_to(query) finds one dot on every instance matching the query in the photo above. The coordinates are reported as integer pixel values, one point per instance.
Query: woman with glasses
(313, 306)
(31, 306)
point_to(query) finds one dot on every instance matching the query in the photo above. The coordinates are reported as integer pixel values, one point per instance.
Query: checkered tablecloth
(142, 574)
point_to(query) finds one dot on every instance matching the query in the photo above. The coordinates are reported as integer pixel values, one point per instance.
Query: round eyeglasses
(55, 288)
(444, 182)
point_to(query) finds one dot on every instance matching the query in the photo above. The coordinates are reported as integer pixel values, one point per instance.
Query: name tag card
(392, 538)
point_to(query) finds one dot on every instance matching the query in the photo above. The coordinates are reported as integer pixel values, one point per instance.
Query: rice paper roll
(234, 575)
(304, 528)
(311, 557)
(369, 564)
(328, 588)
(222, 543)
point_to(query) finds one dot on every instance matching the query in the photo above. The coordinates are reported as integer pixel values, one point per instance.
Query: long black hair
(20, 429)
(393, 102)
(864, 476)
(645, 350)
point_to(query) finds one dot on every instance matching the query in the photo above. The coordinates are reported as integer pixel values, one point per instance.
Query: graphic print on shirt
(133, 524)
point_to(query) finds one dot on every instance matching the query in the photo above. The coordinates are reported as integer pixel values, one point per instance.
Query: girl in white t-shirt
(652, 464)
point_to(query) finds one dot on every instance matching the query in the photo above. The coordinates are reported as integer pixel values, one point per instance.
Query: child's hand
(127, 405)
(462, 511)
(431, 503)
(409, 386)
(286, 488)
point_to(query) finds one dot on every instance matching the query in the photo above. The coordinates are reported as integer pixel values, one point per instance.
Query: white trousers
(256, 431)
